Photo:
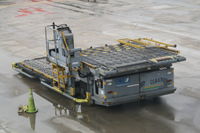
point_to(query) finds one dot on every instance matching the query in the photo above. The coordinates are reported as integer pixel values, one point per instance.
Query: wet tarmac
(96, 23)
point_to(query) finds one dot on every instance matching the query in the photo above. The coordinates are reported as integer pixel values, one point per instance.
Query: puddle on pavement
(68, 115)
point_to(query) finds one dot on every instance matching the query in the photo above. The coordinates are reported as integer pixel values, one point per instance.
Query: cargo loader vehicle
(128, 71)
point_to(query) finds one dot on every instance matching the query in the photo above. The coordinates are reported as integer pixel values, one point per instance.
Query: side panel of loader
(122, 86)
(156, 80)
(133, 87)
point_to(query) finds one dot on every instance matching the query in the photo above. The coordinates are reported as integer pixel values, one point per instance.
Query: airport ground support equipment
(128, 71)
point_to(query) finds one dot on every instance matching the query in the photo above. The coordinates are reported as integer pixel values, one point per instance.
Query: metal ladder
(59, 77)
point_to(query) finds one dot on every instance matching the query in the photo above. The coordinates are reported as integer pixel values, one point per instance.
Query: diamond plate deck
(40, 64)
(122, 55)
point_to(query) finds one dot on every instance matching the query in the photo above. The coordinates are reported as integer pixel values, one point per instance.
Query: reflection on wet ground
(164, 114)
(31, 117)
(117, 119)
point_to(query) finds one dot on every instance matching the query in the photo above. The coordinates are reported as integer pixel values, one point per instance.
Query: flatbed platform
(119, 58)
(130, 55)
(38, 67)
(122, 55)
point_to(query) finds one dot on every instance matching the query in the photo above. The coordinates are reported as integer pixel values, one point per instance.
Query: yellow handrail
(167, 45)
(123, 41)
